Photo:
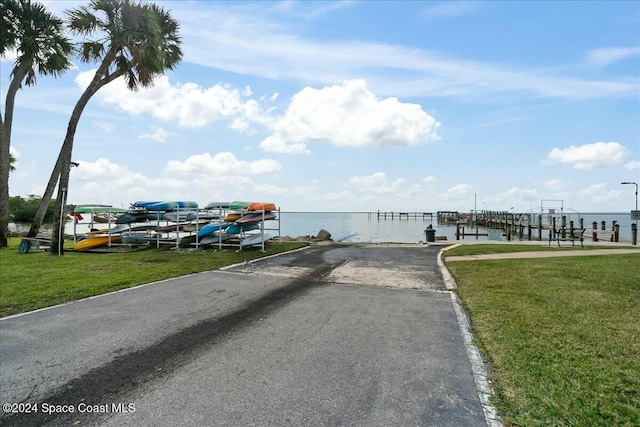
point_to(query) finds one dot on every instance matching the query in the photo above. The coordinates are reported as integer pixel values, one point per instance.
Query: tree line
(24, 210)
(134, 40)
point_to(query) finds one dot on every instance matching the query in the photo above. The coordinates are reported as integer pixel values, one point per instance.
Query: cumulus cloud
(270, 189)
(429, 179)
(103, 170)
(457, 191)
(276, 145)
(224, 163)
(349, 115)
(377, 183)
(517, 196)
(158, 134)
(104, 126)
(607, 56)
(556, 184)
(598, 194)
(188, 104)
(632, 165)
(590, 156)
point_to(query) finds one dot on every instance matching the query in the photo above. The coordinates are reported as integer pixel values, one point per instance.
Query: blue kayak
(132, 217)
(237, 229)
(212, 228)
(165, 206)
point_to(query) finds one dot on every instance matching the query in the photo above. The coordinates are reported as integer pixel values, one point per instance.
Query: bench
(567, 235)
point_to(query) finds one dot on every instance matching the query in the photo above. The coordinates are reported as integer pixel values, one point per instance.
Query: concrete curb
(473, 354)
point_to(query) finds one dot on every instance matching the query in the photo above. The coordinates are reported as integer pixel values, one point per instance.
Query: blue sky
(359, 106)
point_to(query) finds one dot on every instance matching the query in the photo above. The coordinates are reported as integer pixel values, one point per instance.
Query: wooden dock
(527, 226)
(380, 215)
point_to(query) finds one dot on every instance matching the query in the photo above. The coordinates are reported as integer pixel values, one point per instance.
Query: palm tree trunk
(63, 164)
(4, 186)
(5, 143)
(46, 198)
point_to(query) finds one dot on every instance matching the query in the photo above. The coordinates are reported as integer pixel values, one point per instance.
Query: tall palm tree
(38, 37)
(136, 41)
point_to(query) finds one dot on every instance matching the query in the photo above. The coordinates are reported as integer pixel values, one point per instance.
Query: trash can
(430, 234)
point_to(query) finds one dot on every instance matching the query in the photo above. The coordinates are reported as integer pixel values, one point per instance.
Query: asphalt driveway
(341, 334)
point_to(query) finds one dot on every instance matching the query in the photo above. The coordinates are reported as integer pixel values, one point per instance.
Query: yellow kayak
(95, 242)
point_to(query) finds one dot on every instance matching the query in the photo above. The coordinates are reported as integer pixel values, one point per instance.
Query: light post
(62, 207)
(634, 237)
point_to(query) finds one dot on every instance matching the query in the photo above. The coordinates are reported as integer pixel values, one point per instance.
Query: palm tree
(136, 41)
(42, 48)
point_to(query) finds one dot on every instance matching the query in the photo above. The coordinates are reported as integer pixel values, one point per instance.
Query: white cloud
(104, 126)
(457, 192)
(556, 184)
(590, 156)
(377, 183)
(270, 189)
(429, 179)
(103, 171)
(189, 104)
(224, 163)
(607, 56)
(599, 194)
(276, 145)
(349, 115)
(159, 134)
(632, 165)
(516, 196)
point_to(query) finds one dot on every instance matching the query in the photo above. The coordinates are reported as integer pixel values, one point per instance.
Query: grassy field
(562, 335)
(37, 279)
(481, 249)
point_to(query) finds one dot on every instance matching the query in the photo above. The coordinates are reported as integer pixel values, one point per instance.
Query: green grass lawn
(37, 279)
(481, 249)
(561, 335)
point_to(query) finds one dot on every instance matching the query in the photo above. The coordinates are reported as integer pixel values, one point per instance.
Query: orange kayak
(232, 217)
(266, 206)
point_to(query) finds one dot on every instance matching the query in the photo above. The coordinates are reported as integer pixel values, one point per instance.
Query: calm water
(360, 227)
(365, 228)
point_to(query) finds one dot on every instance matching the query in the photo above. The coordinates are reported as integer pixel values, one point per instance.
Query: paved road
(331, 335)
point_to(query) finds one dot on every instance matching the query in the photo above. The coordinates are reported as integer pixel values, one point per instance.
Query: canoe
(210, 240)
(239, 206)
(97, 209)
(208, 215)
(104, 218)
(232, 217)
(164, 205)
(121, 228)
(171, 206)
(255, 239)
(217, 205)
(262, 206)
(95, 242)
(237, 229)
(212, 228)
(180, 216)
(143, 204)
(132, 217)
(254, 218)
(143, 239)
